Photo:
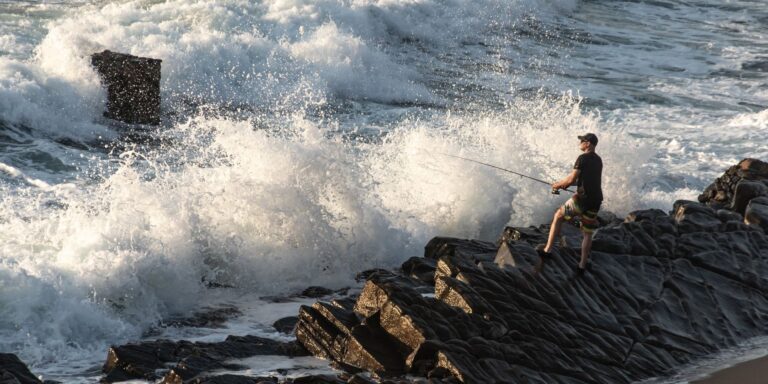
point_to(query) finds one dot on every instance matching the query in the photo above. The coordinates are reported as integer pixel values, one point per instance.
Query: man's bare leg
(554, 229)
(586, 248)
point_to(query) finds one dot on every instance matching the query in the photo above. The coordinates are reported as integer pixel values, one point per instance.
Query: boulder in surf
(133, 87)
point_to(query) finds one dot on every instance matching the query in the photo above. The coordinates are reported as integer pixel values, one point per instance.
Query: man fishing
(585, 203)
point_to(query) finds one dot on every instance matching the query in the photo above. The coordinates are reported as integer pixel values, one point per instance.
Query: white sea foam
(749, 122)
(241, 53)
(428, 191)
(275, 200)
(132, 240)
(260, 53)
(49, 103)
(270, 212)
(17, 174)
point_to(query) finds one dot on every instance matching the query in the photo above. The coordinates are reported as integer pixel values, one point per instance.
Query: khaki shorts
(588, 218)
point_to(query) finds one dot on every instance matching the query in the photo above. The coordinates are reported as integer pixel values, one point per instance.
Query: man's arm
(567, 181)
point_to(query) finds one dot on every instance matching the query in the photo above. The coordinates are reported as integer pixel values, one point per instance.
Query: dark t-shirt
(589, 189)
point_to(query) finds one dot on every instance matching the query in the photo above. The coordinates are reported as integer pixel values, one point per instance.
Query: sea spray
(536, 137)
(272, 211)
(301, 137)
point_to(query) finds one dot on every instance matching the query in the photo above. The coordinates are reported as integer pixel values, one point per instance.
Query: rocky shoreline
(664, 289)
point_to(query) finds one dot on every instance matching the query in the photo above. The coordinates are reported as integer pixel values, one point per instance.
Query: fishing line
(554, 191)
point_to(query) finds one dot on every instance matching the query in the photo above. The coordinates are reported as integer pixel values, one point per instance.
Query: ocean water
(304, 141)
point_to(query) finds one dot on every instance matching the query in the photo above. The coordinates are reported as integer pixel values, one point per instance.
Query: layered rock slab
(663, 290)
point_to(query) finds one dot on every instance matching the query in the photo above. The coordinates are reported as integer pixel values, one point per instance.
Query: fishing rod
(554, 191)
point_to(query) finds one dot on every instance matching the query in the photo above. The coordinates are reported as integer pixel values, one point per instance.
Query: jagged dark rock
(440, 246)
(137, 361)
(739, 184)
(133, 86)
(420, 268)
(747, 190)
(14, 371)
(757, 213)
(345, 302)
(211, 317)
(316, 292)
(235, 379)
(286, 324)
(530, 234)
(144, 360)
(191, 367)
(365, 275)
(359, 379)
(664, 290)
(317, 379)
(232, 379)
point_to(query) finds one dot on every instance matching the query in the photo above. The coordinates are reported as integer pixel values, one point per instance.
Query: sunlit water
(305, 141)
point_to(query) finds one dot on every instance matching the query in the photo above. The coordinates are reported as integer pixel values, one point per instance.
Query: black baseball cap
(591, 137)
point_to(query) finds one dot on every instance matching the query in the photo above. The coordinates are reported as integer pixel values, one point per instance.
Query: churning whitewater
(301, 143)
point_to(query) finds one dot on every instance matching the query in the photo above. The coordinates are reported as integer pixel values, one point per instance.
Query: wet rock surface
(664, 289)
(14, 371)
(737, 186)
(286, 324)
(756, 212)
(133, 86)
(316, 292)
(145, 360)
(210, 317)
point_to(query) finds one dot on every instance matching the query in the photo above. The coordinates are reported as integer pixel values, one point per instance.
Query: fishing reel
(555, 191)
